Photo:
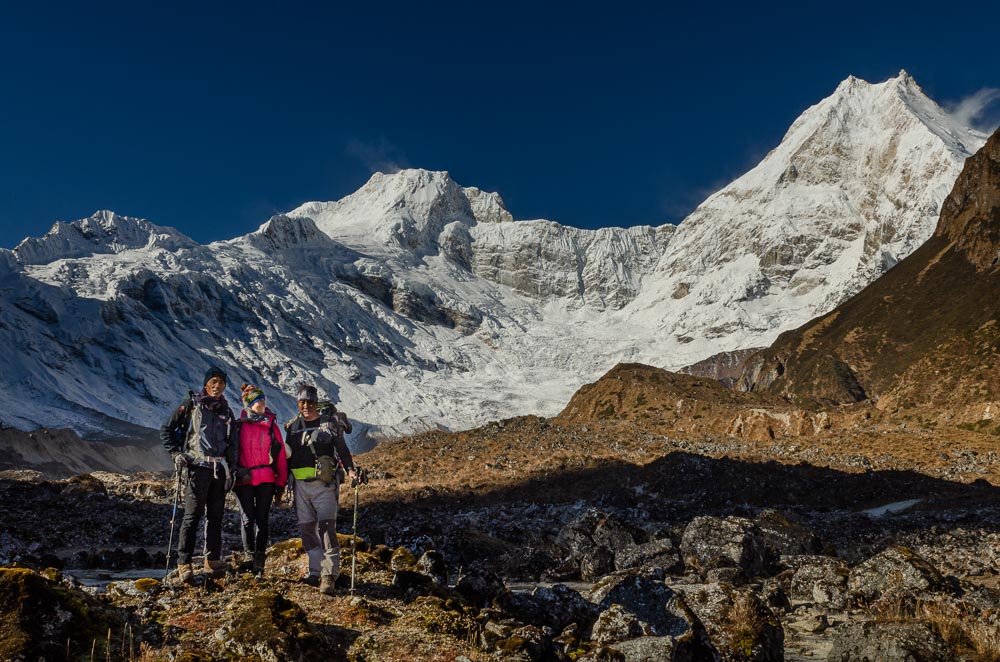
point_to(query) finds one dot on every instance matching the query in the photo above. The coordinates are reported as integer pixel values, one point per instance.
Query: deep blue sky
(212, 116)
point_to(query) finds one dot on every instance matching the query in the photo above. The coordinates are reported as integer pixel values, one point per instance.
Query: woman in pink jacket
(261, 472)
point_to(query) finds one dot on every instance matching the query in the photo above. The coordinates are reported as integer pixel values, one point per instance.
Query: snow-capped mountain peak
(416, 302)
(855, 185)
(103, 232)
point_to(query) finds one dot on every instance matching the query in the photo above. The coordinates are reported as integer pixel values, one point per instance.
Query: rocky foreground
(538, 540)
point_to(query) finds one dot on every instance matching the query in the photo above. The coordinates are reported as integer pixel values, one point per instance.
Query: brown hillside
(924, 336)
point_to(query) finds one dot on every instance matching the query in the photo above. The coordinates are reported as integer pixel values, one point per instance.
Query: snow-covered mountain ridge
(416, 302)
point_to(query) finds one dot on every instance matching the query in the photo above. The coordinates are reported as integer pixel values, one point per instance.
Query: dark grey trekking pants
(204, 494)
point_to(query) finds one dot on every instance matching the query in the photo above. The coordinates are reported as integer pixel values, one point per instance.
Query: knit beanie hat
(214, 371)
(251, 394)
(307, 392)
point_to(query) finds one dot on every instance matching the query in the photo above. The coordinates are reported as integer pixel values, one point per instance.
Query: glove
(279, 494)
(230, 480)
(180, 461)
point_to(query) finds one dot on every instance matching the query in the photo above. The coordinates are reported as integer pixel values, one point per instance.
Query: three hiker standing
(261, 472)
(201, 438)
(318, 457)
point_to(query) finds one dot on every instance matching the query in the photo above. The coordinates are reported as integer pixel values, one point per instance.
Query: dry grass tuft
(984, 636)
(744, 626)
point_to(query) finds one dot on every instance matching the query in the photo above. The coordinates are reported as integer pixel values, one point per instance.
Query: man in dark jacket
(317, 459)
(200, 437)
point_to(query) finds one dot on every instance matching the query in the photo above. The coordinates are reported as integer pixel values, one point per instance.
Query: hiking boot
(244, 563)
(215, 568)
(185, 573)
(310, 580)
(326, 584)
(258, 563)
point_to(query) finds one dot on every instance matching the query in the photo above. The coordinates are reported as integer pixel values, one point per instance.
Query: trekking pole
(360, 477)
(173, 518)
(354, 537)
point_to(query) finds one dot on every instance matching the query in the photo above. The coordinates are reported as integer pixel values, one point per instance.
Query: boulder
(271, 628)
(414, 583)
(643, 649)
(41, 618)
(897, 569)
(403, 559)
(713, 542)
(598, 563)
(876, 640)
(616, 535)
(432, 565)
(661, 554)
(594, 541)
(783, 536)
(819, 579)
(480, 587)
(557, 607)
(739, 624)
(577, 536)
(632, 605)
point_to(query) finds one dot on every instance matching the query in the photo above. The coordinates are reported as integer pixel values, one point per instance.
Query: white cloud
(974, 107)
(380, 156)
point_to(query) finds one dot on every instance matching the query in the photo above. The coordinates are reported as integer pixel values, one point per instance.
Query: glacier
(416, 302)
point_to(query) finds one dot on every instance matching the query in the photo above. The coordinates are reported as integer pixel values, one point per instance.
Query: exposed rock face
(61, 453)
(605, 268)
(725, 367)
(970, 216)
(872, 347)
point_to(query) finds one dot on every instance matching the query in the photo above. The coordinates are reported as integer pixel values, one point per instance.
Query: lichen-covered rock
(556, 607)
(875, 640)
(662, 554)
(40, 619)
(598, 563)
(895, 569)
(271, 628)
(632, 605)
(414, 583)
(480, 587)
(713, 542)
(739, 624)
(642, 649)
(819, 579)
(783, 536)
(594, 541)
(437, 615)
(403, 559)
(432, 564)
(616, 535)
(577, 536)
